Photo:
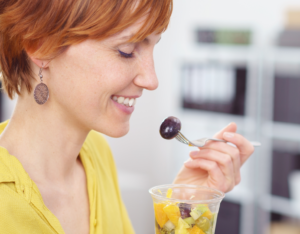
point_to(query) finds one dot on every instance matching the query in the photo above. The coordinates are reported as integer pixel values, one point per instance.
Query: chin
(118, 135)
(116, 132)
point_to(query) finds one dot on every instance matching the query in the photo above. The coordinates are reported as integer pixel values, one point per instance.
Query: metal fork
(201, 142)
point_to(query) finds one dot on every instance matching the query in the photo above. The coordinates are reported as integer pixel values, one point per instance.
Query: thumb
(232, 127)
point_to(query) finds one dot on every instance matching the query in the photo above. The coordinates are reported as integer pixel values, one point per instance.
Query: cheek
(83, 93)
(82, 84)
(74, 77)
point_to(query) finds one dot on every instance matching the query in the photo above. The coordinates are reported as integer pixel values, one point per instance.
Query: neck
(44, 140)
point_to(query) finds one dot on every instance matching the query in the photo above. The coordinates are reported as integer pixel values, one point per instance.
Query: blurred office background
(219, 62)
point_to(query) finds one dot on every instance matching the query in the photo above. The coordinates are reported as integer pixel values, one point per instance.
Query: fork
(202, 142)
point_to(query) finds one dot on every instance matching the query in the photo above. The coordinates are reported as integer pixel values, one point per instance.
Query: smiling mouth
(124, 101)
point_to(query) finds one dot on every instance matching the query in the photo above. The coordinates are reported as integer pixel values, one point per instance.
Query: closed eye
(125, 55)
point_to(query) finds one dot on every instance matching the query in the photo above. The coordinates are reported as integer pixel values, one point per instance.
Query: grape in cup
(185, 209)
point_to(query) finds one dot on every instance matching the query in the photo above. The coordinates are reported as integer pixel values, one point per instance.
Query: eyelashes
(125, 55)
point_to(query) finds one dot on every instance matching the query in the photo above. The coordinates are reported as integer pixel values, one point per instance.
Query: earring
(41, 91)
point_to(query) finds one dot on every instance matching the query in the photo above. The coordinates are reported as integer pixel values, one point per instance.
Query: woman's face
(95, 84)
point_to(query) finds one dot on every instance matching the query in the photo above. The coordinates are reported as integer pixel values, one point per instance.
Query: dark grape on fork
(170, 128)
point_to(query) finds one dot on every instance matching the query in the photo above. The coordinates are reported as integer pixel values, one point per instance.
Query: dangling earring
(41, 91)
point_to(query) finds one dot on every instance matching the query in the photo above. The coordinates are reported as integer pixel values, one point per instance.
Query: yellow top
(22, 209)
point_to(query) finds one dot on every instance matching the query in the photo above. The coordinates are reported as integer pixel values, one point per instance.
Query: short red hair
(46, 28)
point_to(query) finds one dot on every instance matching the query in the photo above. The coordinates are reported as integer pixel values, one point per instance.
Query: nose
(147, 78)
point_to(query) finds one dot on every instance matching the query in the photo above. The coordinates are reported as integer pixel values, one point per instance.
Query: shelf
(221, 53)
(240, 195)
(293, 52)
(233, 48)
(197, 122)
(283, 54)
(281, 205)
(281, 131)
(242, 53)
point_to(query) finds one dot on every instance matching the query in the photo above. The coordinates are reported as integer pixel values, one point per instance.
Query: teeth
(125, 101)
(131, 102)
(120, 100)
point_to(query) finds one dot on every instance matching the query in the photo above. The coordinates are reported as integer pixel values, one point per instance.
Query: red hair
(45, 28)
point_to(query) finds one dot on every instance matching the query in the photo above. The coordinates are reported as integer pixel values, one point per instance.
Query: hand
(217, 164)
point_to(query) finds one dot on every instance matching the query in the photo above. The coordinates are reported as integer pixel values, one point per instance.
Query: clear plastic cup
(190, 209)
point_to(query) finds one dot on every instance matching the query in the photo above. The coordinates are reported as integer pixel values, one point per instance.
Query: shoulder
(16, 212)
(11, 199)
(18, 215)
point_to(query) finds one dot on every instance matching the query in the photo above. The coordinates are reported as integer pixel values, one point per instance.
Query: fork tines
(182, 138)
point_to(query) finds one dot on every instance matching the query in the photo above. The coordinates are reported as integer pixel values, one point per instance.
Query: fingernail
(228, 134)
(194, 153)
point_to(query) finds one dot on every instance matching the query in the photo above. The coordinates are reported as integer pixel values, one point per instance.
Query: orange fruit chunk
(207, 214)
(169, 193)
(173, 213)
(195, 230)
(160, 215)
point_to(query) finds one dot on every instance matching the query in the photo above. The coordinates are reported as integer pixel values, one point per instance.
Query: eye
(125, 55)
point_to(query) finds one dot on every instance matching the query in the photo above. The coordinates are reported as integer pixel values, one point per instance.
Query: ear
(39, 62)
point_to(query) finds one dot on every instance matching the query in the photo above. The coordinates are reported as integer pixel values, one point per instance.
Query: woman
(77, 67)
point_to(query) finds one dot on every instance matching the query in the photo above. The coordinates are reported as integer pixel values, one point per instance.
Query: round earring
(41, 91)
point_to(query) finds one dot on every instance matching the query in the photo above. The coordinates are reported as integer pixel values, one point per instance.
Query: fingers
(229, 128)
(226, 153)
(244, 146)
(216, 177)
(229, 134)
(223, 160)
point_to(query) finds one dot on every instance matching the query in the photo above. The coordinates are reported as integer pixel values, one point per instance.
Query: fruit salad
(183, 218)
